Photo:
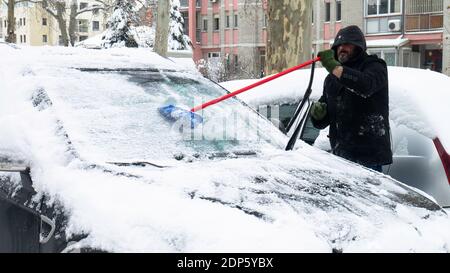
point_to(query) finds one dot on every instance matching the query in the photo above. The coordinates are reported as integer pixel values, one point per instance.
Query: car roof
(77, 57)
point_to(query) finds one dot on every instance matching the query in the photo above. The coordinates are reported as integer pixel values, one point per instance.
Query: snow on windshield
(418, 99)
(113, 116)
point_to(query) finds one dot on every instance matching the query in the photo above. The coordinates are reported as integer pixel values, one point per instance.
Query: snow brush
(174, 113)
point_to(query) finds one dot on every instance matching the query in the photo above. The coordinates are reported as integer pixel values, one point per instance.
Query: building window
(20, 22)
(96, 9)
(60, 40)
(83, 25)
(388, 55)
(205, 24)
(235, 61)
(44, 21)
(227, 21)
(21, 39)
(327, 12)
(24, 21)
(216, 23)
(235, 20)
(338, 10)
(95, 25)
(380, 7)
(213, 54)
(24, 38)
(44, 39)
(383, 16)
(83, 5)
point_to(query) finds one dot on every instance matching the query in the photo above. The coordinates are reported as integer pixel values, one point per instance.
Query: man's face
(345, 52)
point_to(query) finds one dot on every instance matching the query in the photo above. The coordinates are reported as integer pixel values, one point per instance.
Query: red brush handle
(273, 77)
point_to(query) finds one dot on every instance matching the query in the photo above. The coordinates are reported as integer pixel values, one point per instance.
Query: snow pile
(418, 98)
(276, 201)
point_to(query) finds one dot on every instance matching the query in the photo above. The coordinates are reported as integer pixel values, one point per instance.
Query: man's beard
(344, 56)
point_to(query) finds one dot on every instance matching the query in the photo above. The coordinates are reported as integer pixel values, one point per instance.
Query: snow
(143, 35)
(418, 98)
(307, 201)
(397, 42)
(177, 39)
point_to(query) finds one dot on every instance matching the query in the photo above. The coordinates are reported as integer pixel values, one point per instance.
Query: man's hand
(327, 60)
(318, 110)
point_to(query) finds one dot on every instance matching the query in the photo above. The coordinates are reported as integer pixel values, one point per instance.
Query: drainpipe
(403, 17)
(403, 28)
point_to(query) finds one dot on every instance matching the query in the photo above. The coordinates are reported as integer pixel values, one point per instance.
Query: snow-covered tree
(177, 39)
(119, 32)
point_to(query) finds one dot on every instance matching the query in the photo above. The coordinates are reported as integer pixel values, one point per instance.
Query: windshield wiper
(137, 164)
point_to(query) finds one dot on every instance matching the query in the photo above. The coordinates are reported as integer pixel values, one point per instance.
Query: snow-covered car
(113, 175)
(418, 116)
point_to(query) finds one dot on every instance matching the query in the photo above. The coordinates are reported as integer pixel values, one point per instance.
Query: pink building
(232, 30)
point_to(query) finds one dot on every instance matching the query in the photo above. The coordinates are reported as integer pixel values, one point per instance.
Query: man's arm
(324, 122)
(365, 83)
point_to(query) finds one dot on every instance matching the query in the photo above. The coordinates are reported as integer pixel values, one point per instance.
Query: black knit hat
(350, 35)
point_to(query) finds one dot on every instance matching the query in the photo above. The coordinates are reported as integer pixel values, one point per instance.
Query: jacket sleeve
(323, 123)
(367, 82)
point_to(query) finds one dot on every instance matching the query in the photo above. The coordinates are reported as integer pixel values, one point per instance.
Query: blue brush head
(173, 113)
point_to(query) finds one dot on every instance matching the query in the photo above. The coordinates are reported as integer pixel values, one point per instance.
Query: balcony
(184, 4)
(83, 29)
(198, 35)
(424, 15)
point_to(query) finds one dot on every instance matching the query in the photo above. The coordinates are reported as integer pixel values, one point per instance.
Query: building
(409, 33)
(36, 27)
(233, 31)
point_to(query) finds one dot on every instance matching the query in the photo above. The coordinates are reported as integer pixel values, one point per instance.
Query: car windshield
(113, 116)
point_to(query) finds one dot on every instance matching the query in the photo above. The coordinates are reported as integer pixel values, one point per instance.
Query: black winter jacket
(358, 111)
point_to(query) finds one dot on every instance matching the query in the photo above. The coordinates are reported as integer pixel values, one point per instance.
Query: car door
(20, 226)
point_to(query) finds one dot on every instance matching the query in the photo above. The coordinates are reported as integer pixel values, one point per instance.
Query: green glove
(318, 110)
(327, 60)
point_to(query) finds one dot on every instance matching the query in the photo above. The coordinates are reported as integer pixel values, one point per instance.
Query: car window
(280, 115)
(113, 116)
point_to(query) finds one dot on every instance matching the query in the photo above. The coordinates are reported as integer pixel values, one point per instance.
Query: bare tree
(289, 34)
(58, 10)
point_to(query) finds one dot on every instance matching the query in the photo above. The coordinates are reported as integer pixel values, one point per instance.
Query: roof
(397, 42)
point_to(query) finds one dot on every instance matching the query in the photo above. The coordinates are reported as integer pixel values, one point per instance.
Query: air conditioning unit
(394, 25)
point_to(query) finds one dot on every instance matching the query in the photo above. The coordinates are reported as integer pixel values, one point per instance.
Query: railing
(198, 35)
(83, 28)
(424, 15)
(424, 22)
(185, 3)
(424, 6)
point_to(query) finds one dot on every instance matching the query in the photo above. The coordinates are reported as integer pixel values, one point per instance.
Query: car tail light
(445, 157)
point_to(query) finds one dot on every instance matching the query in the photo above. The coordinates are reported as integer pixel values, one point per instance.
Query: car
(113, 175)
(420, 132)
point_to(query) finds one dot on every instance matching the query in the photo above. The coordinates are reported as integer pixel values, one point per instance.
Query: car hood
(309, 201)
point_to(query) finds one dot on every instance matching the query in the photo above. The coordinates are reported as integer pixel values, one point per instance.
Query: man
(355, 101)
